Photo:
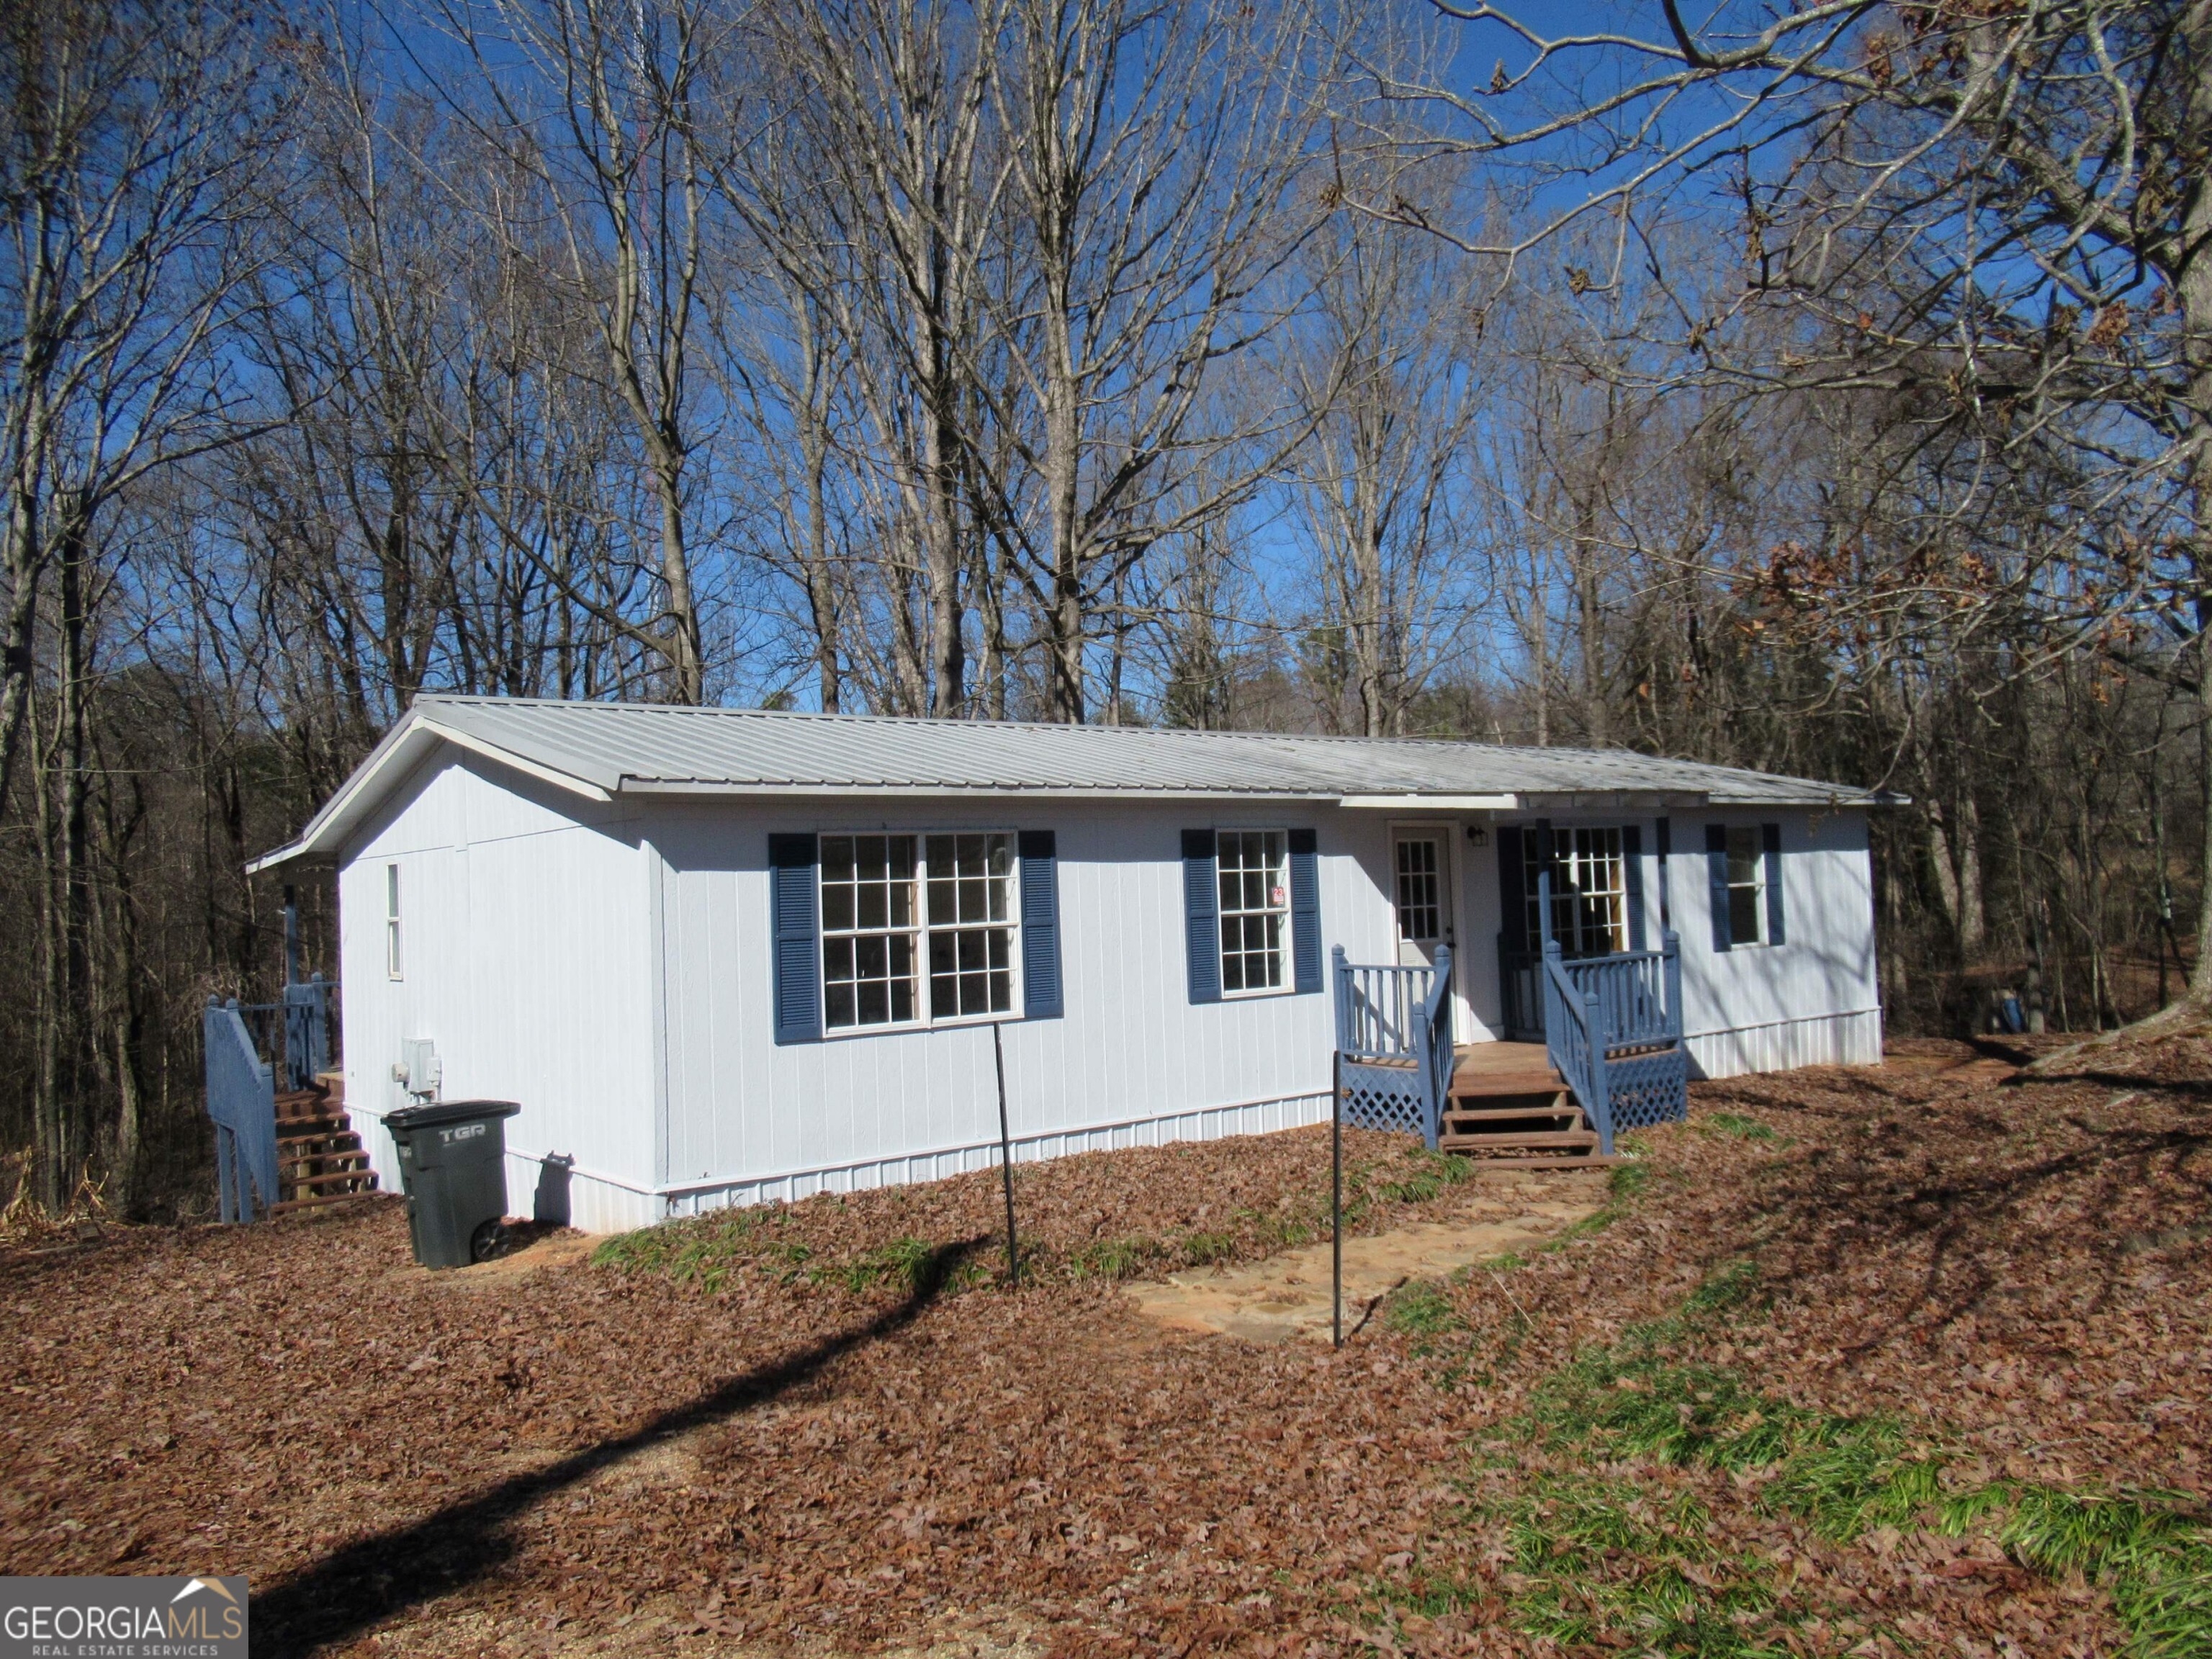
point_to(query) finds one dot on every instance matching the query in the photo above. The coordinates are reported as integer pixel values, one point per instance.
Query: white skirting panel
(596, 1204)
(1783, 1045)
(1212, 1123)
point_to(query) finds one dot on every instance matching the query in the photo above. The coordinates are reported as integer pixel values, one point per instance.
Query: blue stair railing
(241, 1099)
(1394, 1033)
(1613, 1026)
(242, 1086)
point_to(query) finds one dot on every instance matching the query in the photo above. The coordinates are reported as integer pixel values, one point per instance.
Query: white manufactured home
(723, 956)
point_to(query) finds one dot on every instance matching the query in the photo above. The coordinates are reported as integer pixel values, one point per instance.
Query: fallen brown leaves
(517, 1459)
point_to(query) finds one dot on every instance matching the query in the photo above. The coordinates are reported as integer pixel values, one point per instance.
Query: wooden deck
(1503, 1068)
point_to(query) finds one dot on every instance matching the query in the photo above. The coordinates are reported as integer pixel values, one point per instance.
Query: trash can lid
(449, 1111)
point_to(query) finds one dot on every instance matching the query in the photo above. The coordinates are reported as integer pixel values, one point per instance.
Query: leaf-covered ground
(1905, 1361)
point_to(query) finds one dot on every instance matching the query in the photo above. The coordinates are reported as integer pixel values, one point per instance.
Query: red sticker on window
(1275, 896)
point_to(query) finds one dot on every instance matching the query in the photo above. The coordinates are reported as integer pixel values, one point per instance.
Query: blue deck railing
(249, 1047)
(1393, 1034)
(1612, 1025)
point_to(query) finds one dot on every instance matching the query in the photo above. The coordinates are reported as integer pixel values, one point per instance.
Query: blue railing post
(1600, 1105)
(1426, 1073)
(1341, 978)
(1434, 1049)
(1671, 945)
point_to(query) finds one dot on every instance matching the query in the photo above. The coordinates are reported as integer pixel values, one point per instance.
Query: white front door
(1421, 861)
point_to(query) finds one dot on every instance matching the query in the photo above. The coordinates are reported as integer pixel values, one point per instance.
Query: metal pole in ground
(1006, 1158)
(1336, 1198)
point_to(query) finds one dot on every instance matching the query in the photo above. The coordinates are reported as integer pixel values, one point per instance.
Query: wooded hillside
(1825, 396)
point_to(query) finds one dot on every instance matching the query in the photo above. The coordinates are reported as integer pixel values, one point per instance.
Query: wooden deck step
(1530, 1138)
(353, 1180)
(1511, 1113)
(1542, 1160)
(336, 1140)
(353, 1159)
(319, 1201)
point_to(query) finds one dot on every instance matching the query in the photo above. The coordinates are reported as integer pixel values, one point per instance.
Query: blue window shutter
(1512, 891)
(1631, 868)
(1771, 835)
(1201, 922)
(1305, 910)
(793, 900)
(1041, 991)
(1717, 878)
(1666, 898)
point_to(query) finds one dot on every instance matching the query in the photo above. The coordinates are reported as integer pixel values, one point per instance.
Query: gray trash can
(452, 1166)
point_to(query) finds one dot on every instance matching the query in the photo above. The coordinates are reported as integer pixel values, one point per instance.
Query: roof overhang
(410, 742)
(1430, 803)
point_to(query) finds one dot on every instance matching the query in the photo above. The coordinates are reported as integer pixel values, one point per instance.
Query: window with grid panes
(1420, 898)
(868, 931)
(1253, 867)
(899, 908)
(1590, 895)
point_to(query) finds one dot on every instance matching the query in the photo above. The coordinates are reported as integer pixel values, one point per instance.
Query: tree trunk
(2193, 290)
(684, 646)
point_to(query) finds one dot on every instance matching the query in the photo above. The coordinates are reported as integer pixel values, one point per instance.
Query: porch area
(1609, 1057)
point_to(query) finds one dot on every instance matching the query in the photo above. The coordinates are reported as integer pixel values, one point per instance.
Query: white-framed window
(1589, 890)
(1747, 886)
(1420, 888)
(1253, 867)
(917, 928)
(391, 957)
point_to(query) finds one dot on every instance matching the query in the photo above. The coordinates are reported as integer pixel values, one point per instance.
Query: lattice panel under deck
(1385, 1098)
(1647, 1089)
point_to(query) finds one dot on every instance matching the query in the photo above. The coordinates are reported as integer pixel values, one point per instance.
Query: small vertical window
(1746, 887)
(1255, 909)
(392, 961)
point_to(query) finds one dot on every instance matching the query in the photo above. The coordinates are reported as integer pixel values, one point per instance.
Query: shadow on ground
(346, 1593)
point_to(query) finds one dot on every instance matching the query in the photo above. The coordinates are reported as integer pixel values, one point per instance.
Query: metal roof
(603, 750)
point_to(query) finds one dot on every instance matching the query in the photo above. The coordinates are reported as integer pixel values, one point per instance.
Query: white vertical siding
(1131, 1059)
(525, 959)
(1813, 999)
(609, 967)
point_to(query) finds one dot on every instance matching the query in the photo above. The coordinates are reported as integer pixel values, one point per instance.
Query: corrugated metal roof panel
(620, 746)
(604, 749)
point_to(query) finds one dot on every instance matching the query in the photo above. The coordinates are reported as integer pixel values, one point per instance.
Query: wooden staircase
(319, 1158)
(1507, 1103)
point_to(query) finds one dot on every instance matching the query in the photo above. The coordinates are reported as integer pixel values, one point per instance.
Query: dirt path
(1506, 1212)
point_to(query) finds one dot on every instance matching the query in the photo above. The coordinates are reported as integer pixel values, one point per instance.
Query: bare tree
(617, 112)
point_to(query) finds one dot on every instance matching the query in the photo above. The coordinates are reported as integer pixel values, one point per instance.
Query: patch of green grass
(904, 1264)
(1422, 1309)
(1429, 1175)
(2152, 1551)
(1737, 1127)
(1608, 1555)
(1723, 1292)
(705, 1252)
(1603, 1558)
